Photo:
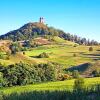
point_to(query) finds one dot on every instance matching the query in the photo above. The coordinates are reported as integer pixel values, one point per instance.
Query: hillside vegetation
(38, 59)
(33, 30)
(50, 86)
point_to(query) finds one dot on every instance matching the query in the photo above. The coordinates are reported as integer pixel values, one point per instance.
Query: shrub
(23, 53)
(15, 47)
(74, 55)
(21, 74)
(8, 53)
(75, 45)
(96, 73)
(43, 55)
(1, 55)
(91, 49)
(79, 84)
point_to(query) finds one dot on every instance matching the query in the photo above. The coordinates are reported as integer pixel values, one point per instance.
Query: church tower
(41, 20)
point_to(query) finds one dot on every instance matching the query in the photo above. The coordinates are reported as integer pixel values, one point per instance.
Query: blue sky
(81, 17)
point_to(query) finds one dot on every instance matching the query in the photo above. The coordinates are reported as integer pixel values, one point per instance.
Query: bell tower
(41, 20)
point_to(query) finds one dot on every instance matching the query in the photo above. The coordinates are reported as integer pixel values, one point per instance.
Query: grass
(59, 53)
(49, 86)
(89, 94)
(64, 54)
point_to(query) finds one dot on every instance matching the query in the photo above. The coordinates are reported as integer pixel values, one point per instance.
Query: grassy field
(60, 51)
(63, 54)
(50, 86)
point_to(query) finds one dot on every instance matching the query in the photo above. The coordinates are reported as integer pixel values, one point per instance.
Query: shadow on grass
(55, 95)
(93, 56)
(80, 68)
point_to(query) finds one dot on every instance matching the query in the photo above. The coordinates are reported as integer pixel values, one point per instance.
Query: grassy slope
(64, 54)
(51, 86)
(61, 40)
(60, 53)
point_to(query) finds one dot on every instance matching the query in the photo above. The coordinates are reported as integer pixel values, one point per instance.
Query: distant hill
(36, 29)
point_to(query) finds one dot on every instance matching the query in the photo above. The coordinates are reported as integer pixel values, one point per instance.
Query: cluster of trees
(21, 74)
(77, 39)
(16, 47)
(30, 31)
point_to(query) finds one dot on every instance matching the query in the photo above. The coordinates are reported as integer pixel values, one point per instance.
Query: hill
(32, 30)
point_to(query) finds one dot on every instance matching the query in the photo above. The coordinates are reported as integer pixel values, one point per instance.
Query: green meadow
(63, 54)
(66, 85)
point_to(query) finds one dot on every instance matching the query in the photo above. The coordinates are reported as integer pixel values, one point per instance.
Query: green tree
(15, 47)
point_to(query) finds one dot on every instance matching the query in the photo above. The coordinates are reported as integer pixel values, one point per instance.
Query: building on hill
(41, 20)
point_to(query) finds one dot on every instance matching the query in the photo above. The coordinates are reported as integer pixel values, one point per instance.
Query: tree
(27, 43)
(14, 47)
(21, 74)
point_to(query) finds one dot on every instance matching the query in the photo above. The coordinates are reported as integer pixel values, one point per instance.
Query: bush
(96, 73)
(75, 74)
(21, 74)
(15, 47)
(79, 84)
(74, 55)
(23, 53)
(75, 45)
(43, 55)
(91, 49)
(1, 56)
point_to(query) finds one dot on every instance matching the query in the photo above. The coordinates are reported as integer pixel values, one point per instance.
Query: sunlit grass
(50, 86)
